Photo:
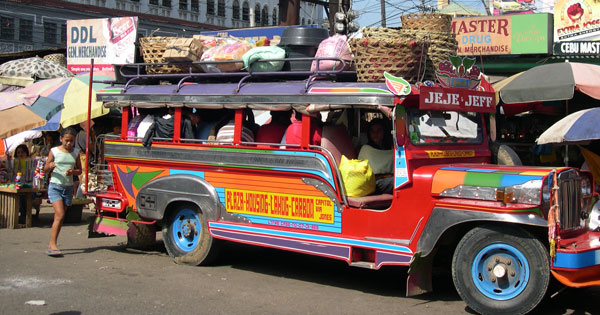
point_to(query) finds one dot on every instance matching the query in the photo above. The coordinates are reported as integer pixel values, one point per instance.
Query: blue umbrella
(579, 127)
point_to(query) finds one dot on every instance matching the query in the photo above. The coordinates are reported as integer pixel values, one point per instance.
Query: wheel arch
(445, 228)
(445, 225)
(157, 197)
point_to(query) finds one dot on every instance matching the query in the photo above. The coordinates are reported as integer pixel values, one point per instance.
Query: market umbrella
(578, 127)
(550, 82)
(73, 94)
(28, 70)
(17, 117)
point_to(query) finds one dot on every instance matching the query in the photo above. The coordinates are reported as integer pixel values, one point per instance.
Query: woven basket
(58, 59)
(434, 22)
(153, 49)
(398, 56)
(438, 46)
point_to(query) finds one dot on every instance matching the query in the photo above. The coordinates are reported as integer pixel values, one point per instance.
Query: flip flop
(54, 252)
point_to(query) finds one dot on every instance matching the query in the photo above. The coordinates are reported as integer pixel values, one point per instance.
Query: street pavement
(103, 276)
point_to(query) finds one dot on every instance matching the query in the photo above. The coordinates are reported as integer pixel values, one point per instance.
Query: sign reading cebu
(285, 206)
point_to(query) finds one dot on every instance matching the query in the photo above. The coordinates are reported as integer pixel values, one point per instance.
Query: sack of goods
(337, 47)
(357, 176)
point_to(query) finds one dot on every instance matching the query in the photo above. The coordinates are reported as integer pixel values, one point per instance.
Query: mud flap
(109, 226)
(419, 274)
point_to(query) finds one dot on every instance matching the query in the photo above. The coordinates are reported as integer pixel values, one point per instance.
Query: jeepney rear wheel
(500, 270)
(186, 236)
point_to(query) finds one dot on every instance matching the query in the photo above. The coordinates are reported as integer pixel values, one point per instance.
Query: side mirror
(400, 140)
(399, 125)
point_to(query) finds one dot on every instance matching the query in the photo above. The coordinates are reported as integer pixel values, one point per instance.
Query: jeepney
(506, 229)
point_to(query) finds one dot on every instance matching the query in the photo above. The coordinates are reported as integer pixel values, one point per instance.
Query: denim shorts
(57, 192)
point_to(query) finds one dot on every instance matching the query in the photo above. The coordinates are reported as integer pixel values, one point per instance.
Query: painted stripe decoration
(452, 176)
(310, 237)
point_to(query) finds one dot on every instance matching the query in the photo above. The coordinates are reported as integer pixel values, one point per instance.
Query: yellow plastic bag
(357, 176)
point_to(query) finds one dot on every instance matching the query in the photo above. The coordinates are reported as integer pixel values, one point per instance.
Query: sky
(370, 10)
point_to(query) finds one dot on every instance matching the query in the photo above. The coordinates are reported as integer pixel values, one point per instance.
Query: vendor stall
(20, 181)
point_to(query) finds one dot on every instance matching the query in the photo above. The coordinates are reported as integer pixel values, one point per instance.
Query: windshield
(447, 127)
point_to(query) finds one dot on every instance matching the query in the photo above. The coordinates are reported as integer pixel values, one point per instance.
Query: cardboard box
(183, 49)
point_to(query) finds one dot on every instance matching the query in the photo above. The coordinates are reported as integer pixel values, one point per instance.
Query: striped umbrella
(578, 127)
(550, 82)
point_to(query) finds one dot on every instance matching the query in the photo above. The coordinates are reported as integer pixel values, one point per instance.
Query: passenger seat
(336, 140)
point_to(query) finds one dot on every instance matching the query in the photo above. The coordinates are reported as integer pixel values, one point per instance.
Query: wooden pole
(87, 128)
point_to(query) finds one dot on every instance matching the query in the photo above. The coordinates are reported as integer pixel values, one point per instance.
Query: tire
(478, 278)
(186, 237)
(504, 155)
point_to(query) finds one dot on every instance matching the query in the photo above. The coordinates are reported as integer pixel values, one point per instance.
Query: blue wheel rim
(494, 260)
(186, 229)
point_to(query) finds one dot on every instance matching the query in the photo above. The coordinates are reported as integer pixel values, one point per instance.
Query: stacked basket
(436, 30)
(411, 52)
(385, 50)
(153, 49)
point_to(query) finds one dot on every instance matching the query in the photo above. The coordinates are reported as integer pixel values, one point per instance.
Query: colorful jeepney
(505, 229)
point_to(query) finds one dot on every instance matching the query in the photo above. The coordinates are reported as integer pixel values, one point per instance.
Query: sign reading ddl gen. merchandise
(284, 206)
(107, 41)
(503, 35)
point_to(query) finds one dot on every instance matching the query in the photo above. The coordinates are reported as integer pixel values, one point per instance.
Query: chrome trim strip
(219, 157)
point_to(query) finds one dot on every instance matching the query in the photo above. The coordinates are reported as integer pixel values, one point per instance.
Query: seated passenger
(225, 132)
(273, 131)
(293, 134)
(378, 151)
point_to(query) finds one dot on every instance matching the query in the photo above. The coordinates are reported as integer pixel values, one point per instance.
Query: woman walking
(63, 161)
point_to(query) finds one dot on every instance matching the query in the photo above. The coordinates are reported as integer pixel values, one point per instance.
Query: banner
(284, 206)
(576, 20)
(107, 41)
(456, 99)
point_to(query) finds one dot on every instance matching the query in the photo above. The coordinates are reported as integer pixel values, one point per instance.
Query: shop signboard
(503, 35)
(108, 41)
(579, 48)
(576, 20)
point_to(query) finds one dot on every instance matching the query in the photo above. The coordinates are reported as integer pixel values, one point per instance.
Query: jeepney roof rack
(281, 90)
(134, 73)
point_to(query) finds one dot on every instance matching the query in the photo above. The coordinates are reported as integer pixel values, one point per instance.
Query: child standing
(64, 162)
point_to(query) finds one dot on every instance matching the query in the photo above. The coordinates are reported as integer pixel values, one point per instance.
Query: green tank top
(63, 161)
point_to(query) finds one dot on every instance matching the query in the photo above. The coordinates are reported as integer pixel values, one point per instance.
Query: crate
(153, 50)
(183, 49)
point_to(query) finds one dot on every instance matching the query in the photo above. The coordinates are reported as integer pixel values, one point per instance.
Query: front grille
(569, 200)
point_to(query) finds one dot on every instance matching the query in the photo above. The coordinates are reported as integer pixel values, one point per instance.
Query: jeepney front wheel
(186, 236)
(500, 270)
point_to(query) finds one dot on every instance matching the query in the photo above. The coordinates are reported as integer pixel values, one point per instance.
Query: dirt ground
(102, 275)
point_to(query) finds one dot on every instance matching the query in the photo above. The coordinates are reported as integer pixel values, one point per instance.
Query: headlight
(586, 186)
(546, 196)
(529, 192)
